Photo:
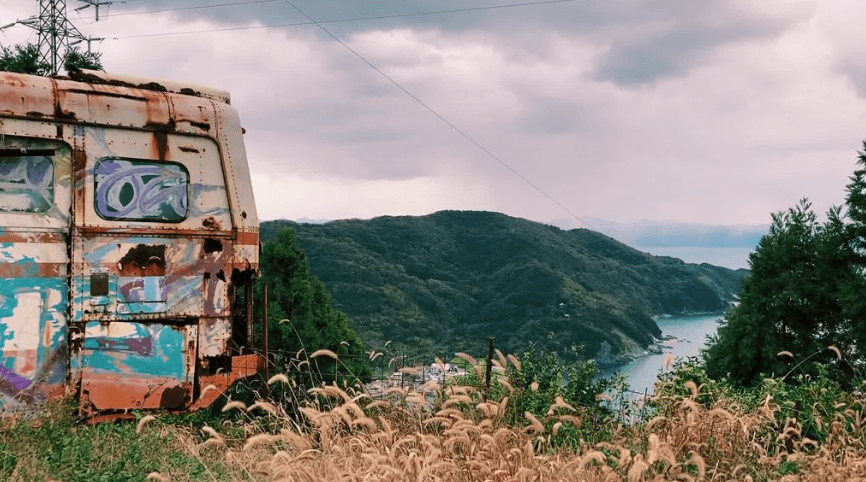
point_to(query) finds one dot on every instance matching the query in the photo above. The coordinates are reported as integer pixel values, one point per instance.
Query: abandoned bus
(128, 243)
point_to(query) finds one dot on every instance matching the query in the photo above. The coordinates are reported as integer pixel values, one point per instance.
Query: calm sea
(690, 332)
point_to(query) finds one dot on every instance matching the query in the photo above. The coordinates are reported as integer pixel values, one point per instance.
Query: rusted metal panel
(245, 256)
(167, 277)
(237, 172)
(152, 275)
(161, 85)
(241, 367)
(26, 96)
(137, 365)
(111, 103)
(149, 182)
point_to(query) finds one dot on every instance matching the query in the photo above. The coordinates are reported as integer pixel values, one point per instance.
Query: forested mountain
(447, 281)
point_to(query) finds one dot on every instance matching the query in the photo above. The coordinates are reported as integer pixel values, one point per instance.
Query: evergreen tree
(789, 302)
(76, 59)
(23, 59)
(853, 283)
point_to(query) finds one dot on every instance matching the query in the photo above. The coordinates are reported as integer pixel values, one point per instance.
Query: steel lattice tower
(54, 32)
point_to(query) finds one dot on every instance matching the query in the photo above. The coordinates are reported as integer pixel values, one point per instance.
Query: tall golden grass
(464, 439)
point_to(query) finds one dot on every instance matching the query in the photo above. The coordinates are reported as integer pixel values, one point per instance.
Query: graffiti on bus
(141, 190)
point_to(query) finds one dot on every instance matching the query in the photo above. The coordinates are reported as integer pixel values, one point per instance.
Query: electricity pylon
(55, 30)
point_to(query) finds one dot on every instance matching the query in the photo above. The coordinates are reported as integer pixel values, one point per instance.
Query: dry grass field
(694, 429)
(688, 434)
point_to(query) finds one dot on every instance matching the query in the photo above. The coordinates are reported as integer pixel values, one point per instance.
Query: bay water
(689, 334)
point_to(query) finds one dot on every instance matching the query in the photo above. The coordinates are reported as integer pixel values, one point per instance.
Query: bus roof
(100, 98)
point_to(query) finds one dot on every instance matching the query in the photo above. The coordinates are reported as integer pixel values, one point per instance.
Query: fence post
(265, 335)
(265, 330)
(489, 368)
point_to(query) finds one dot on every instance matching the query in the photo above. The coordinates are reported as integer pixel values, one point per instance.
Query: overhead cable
(342, 20)
(439, 116)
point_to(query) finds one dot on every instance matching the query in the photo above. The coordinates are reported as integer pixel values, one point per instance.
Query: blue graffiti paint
(95, 254)
(26, 184)
(17, 381)
(23, 344)
(142, 350)
(141, 190)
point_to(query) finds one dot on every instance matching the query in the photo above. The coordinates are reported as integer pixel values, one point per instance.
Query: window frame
(180, 168)
(48, 178)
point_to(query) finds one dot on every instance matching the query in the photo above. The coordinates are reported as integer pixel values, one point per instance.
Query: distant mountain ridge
(446, 281)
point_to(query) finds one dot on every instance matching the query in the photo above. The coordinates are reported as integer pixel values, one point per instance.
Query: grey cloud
(854, 67)
(646, 40)
(551, 118)
(669, 41)
(334, 117)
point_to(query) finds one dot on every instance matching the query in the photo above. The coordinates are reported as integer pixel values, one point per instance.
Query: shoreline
(608, 362)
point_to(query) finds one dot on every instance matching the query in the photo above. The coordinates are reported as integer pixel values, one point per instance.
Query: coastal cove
(682, 336)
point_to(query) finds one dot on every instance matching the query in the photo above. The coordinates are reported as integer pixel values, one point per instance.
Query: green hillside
(447, 281)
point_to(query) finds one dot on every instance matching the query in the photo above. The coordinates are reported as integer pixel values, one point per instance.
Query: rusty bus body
(128, 243)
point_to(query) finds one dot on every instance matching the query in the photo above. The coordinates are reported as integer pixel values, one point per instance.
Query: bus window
(26, 184)
(133, 190)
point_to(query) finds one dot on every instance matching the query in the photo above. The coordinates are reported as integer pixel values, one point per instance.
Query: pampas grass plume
(466, 357)
(141, 423)
(207, 389)
(279, 377)
(534, 424)
(267, 407)
(235, 404)
(668, 361)
(257, 439)
(324, 352)
(514, 361)
(210, 431)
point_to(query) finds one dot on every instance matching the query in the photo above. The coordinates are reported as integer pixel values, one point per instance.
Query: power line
(349, 20)
(198, 7)
(439, 116)
(320, 25)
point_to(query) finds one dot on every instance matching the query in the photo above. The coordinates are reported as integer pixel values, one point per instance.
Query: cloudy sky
(709, 112)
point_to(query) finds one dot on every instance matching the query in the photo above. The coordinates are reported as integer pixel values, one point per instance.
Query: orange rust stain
(245, 237)
(39, 238)
(116, 392)
(160, 142)
(243, 366)
(32, 270)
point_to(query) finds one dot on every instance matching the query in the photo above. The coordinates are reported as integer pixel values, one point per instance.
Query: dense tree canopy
(805, 294)
(446, 282)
